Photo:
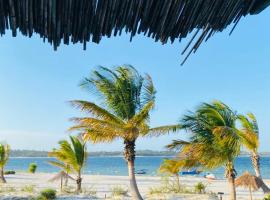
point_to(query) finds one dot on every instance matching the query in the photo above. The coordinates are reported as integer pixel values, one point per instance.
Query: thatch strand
(81, 21)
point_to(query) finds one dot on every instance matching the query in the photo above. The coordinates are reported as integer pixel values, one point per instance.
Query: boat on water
(141, 171)
(191, 172)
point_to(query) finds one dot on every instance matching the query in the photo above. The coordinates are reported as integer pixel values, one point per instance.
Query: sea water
(117, 165)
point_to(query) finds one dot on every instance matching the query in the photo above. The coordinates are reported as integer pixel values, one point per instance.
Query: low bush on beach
(7, 189)
(267, 197)
(47, 194)
(200, 188)
(32, 168)
(28, 188)
(119, 191)
(91, 191)
(9, 172)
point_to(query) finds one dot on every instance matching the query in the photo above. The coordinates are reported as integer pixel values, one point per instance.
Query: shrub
(47, 194)
(119, 191)
(9, 172)
(32, 167)
(200, 188)
(28, 188)
(267, 197)
(91, 191)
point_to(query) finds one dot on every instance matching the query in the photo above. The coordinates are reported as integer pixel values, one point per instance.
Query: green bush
(32, 168)
(47, 194)
(9, 172)
(267, 197)
(200, 188)
(119, 191)
(28, 188)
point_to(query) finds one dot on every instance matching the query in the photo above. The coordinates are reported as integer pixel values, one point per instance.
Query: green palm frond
(96, 111)
(127, 99)
(177, 144)
(72, 155)
(162, 130)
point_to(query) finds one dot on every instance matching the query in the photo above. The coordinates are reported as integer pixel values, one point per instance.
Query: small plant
(9, 172)
(28, 188)
(200, 188)
(119, 191)
(7, 189)
(91, 191)
(267, 197)
(32, 168)
(47, 194)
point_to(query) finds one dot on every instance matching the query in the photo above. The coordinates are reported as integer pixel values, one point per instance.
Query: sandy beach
(102, 186)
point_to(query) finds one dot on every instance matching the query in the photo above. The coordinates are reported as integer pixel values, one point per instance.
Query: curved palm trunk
(129, 154)
(79, 183)
(231, 174)
(2, 177)
(255, 159)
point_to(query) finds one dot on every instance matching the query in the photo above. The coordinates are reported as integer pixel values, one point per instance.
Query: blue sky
(36, 82)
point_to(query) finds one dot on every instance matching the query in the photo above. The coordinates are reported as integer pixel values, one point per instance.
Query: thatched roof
(60, 176)
(82, 21)
(249, 181)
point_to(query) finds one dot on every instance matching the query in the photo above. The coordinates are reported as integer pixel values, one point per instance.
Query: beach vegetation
(8, 189)
(200, 188)
(28, 188)
(72, 154)
(126, 101)
(251, 129)
(267, 197)
(32, 168)
(4, 156)
(171, 167)
(9, 172)
(47, 194)
(119, 191)
(214, 140)
(90, 191)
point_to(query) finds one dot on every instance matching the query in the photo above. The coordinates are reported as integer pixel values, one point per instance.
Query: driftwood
(82, 21)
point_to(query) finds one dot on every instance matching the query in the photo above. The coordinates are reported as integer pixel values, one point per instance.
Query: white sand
(103, 184)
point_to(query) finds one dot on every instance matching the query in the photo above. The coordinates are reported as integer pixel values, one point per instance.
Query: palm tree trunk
(250, 193)
(231, 174)
(129, 154)
(79, 183)
(178, 181)
(2, 177)
(255, 159)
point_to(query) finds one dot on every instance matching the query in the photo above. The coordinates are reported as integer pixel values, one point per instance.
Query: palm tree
(172, 167)
(127, 98)
(73, 155)
(4, 156)
(215, 141)
(250, 128)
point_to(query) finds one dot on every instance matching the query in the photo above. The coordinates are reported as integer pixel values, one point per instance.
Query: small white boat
(210, 176)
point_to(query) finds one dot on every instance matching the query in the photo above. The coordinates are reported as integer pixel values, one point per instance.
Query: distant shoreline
(139, 153)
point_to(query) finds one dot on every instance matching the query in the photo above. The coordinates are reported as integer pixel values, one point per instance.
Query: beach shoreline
(103, 184)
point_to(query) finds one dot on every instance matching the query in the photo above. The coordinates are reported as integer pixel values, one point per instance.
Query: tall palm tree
(215, 141)
(73, 155)
(250, 128)
(126, 100)
(172, 167)
(4, 156)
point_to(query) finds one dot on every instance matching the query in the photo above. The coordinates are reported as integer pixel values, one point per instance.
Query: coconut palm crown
(126, 101)
(214, 141)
